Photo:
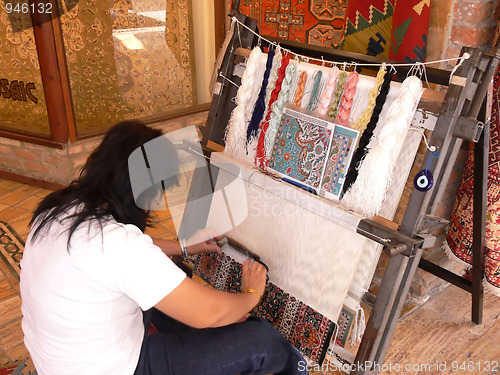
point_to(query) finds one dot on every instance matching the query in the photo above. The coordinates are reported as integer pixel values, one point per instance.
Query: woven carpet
(317, 22)
(11, 252)
(306, 329)
(387, 29)
(459, 235)
(11, 249)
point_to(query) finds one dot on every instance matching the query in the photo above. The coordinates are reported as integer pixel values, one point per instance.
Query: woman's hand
(253, 276)
(203, 240)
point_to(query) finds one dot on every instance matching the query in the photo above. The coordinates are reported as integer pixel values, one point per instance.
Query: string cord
(298, 56)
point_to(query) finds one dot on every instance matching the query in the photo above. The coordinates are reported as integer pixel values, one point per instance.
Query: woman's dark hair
(103, 187)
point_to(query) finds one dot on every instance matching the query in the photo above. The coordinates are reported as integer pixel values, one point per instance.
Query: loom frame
(463, 115)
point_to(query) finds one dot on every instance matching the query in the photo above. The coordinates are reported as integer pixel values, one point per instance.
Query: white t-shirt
(82, 307)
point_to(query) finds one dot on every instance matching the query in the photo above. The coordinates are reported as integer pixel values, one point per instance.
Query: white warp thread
(377, 169)
(251, 81)
(308, 256)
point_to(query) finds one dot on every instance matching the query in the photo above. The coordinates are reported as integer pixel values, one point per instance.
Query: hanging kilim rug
(316, 22)
(459, 235)
(11, 249)
(388, 29)
(305, 328)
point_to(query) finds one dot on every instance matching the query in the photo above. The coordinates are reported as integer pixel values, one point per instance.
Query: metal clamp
(468, 128)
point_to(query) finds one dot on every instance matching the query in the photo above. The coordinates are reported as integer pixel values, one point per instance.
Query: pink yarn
(347, 99)
(326, 96)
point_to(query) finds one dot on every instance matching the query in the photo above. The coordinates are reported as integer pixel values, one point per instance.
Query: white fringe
(490, 288)
(451, 256)
(251, 82)
(377, 169)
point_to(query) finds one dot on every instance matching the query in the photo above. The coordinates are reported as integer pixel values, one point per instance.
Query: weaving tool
(240, 249)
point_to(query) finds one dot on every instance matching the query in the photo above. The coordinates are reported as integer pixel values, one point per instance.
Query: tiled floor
(437, 333)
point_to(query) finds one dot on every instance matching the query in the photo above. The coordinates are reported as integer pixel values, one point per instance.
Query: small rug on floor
(11, 249)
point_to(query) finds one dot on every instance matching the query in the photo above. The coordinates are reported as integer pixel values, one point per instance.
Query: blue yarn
(315, 91)
(260, 104)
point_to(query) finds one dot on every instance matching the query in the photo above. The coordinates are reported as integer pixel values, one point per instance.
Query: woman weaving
(89, 272)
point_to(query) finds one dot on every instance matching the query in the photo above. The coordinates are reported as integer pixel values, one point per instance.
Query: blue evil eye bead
(423, 181)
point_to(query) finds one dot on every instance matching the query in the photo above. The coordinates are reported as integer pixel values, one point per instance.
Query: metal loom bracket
(431, 223)
(394, 242)
(468, 128)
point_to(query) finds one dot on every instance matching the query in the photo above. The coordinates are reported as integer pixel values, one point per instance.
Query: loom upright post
(479, 218)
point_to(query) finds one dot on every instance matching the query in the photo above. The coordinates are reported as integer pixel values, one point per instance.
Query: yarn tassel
(316, 91)
(332, 112)
(359, 326)
(367, 135)
(360, 125)
(245, 101)
(375, 174)
(273, 76)
(277, 109)
(347, 99)
(299, 92)
(326, 96)
(246, 96)
(260, 152)
(260, 104)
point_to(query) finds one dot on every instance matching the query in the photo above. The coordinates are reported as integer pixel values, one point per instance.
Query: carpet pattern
(316, 22)
(11, 249)
(306, 329)
(388, 29)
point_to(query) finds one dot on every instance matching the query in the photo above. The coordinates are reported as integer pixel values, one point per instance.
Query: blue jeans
(250, 347)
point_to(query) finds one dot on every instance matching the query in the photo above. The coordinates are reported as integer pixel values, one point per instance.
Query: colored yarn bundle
(273, 76)
(316, 91)
(375, 174)
(260, 104)
(251, 81)
(260, 156)
(332, 112)
(347, 99)
(327, 94)
(367, 135)
(365, 118)
(299, 91)
(277, 108)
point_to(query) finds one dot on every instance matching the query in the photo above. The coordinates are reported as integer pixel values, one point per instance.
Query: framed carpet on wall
(316, 22)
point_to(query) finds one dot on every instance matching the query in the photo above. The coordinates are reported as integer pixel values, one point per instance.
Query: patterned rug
(459, 235)
(11, 249)
(388, 29)
(317, 22)
(305, 328)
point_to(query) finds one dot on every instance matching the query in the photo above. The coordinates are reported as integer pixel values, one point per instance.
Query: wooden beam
(46, 46)
(30, 181)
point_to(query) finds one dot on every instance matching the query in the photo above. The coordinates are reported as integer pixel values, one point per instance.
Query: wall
(62, 166)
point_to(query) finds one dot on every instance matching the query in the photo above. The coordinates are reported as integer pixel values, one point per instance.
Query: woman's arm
(203, 240)
(201, 307)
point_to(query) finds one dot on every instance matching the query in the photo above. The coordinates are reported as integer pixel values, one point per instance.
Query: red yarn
(260, 157)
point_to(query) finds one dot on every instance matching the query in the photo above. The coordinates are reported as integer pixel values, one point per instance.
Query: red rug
(317, 22)
(388, 29)
(459, 235)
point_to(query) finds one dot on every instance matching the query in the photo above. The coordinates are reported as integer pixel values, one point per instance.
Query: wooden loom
(455, 120)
